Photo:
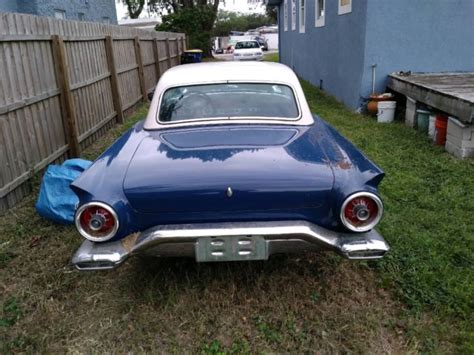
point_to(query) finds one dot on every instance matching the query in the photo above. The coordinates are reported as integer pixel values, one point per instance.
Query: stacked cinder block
(460, 139)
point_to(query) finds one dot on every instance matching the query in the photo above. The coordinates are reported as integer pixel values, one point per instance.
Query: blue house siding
(421, 35)
(333, 53)
(8, 6)
(91, 10)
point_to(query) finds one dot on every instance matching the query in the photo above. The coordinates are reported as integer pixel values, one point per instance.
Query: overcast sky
(230, 5)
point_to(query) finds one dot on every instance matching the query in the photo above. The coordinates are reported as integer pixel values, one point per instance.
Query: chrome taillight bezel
(86, 235)
(370, 225)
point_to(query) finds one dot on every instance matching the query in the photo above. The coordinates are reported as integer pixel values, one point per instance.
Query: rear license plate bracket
(231, 248)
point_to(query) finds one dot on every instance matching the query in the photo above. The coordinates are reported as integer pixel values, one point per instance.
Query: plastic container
(410, 112)
(431, 127)
(372, 106)
(191, 56)
(386, 111)
(422, 120)
(441, 128)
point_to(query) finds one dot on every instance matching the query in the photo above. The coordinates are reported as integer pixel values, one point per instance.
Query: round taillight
(96, 221)
(361, 212)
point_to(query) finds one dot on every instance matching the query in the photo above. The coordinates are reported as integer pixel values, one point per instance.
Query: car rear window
(228, 100)
(247, 45)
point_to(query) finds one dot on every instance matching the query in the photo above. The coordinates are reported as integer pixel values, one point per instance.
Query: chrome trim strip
(99, 256)
(84, 233)
(369, 226)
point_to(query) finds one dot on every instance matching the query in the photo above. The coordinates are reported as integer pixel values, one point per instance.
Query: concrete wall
(333, 53)
(421, 36)
(8, 6)
(93, 10)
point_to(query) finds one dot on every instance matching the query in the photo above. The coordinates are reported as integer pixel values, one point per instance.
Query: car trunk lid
(228, 169)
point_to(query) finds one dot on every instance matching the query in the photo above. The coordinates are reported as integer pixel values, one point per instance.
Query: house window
(293, 15)
(60, 14)
(285, 15)
(320, 11)
(81, 16)
(345, 7)
(302, 15)
(106, 20)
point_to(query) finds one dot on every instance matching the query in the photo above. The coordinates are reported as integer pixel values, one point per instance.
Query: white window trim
(302, 15)
(293, 15)
(285, 15)
(59, 14)
(344, 9)
(321, 22)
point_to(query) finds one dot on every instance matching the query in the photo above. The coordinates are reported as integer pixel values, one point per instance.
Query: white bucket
(386, 111)
(431, 127)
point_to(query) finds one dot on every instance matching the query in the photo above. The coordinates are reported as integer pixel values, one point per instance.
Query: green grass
(419, 298)
(429, 220)
(272, 57)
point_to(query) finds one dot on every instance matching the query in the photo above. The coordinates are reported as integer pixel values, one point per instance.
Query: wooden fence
(65, 83)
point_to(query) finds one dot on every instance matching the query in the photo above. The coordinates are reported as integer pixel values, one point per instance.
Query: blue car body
(229, 165)
(177, 176)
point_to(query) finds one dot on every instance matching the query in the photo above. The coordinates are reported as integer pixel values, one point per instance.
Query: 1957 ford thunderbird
(229, 164)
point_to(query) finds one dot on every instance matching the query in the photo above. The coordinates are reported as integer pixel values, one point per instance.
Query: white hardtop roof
(227, 71)
(222, 72)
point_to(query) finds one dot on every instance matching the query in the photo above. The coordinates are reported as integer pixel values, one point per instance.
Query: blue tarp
(56, 200)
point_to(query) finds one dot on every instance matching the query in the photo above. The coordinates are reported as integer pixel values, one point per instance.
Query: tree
(233, 21)
(271, 13)
(134, 7)
(196, 22)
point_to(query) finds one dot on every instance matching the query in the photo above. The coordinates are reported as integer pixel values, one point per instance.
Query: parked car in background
(252, 33)
(262, 42)
(229, 164)
(248, 50)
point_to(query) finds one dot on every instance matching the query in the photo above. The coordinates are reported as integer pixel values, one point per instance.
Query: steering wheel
(197, 104)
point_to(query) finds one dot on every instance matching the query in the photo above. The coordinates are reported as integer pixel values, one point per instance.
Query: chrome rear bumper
(181, 240)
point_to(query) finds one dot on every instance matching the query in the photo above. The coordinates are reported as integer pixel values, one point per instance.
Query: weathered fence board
(65, 83)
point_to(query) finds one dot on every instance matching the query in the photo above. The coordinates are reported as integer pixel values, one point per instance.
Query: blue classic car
(229, 164)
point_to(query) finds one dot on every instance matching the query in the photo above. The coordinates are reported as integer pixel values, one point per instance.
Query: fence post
(178, 59)
(168, 52)
(68, 111)
(117, 99)
(157, 59)
(141, 74)
(183, 41)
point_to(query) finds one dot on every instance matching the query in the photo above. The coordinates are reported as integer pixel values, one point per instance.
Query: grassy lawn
(271, 57)
(429, 203)
(417, 299)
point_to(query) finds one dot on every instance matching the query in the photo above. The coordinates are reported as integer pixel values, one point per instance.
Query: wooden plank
(97, 127)
(141, 74)
(183, 43)
(127, 69)
(83, 38)
(178, 60)
(90, 81)
(69, 111)
(28, 174)
(28, 101)
(117, 99)
(130, 104)
(157, 59)
(23, 38)
(168, 52)
(456, 107)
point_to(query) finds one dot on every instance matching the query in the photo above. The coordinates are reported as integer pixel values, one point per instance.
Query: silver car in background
(248, 50)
